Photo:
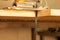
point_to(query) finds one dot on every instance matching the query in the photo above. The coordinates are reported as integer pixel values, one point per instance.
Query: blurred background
(51, 3)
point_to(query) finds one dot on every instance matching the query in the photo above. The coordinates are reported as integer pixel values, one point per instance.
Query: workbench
(26, 18)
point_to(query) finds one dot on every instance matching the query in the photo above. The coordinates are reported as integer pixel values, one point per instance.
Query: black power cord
(35, 28)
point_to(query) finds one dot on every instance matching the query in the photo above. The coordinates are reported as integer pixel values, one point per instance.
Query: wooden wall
(15, 34)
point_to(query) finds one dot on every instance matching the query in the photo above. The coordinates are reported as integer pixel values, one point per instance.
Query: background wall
(54, 3)
(51, 3)
(6, 3)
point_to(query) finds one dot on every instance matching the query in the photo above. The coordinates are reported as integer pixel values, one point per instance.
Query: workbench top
(29, 15)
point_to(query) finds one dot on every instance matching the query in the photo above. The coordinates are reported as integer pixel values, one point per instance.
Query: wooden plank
(42, 16)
